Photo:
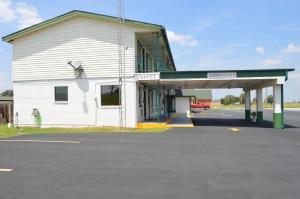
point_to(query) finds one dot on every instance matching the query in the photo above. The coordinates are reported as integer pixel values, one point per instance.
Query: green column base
(259, 117)
(248, 115)
(277, 120)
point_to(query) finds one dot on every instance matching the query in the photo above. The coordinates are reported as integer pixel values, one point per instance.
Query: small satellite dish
(77, 67)
(77, 64)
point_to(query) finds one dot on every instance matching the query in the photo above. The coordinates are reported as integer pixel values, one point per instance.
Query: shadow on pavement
(232, 123)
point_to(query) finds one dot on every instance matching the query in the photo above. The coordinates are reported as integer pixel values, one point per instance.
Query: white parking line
(42, 141)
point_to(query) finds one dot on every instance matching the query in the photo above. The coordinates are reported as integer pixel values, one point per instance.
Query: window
(143, 60)
(110, 95)
(61, 93)
(147, 63)
(139, 57)
(151, 98)
(140, 97)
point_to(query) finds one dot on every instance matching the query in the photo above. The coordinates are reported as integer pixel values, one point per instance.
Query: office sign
(221, 75)
(147, 76)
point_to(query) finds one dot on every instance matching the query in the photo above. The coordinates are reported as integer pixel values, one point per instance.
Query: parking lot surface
(207, 161)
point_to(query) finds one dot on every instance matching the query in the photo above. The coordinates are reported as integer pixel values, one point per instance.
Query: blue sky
(204, 35)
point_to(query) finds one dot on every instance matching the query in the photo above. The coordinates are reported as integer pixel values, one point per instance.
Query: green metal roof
(9, 38)
(239, 73)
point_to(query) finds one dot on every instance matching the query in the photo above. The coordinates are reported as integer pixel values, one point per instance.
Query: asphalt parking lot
(207, 161)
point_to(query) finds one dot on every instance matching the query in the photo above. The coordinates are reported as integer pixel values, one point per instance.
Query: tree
(8, 93)
(229, 99)
(242, 98)
(270, 99)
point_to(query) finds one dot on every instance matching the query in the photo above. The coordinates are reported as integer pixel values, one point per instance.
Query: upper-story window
(147, 62)
(139, 56)
(143, 60)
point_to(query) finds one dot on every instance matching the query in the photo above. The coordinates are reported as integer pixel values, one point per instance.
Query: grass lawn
(12, 132)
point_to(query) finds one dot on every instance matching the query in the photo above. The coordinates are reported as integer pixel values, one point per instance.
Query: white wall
(182, 104)
(44, 54)
(81, 109)
(40, 63)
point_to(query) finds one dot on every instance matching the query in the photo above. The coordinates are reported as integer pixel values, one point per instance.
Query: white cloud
(6, 12)
(290, 27)
(260, 50)
(182, 39)
(23, 14)
(291, 48)
(271, 61)
(27, 15)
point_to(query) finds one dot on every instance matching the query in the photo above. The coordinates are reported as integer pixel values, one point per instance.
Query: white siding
(81, 109)
(44, 54)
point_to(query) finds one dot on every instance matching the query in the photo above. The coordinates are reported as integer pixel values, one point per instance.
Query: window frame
(55, 97)
(101, 100)
(141, 93)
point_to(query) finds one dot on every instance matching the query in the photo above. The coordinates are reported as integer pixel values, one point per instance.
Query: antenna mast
(121, 50)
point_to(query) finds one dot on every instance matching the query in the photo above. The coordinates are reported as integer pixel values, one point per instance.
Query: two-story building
(49, 91)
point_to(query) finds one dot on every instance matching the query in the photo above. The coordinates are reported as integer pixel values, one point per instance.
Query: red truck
(202, 103)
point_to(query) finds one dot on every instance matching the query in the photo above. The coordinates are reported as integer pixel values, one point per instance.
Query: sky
(204, 35)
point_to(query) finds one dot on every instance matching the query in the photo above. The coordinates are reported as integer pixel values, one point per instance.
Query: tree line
(7, 93)
(231, 99)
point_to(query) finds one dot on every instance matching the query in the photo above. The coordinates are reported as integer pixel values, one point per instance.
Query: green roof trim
(9, 38)
(74, 13)
(239, 73)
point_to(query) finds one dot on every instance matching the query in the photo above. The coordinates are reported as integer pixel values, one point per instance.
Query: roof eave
(9, 38)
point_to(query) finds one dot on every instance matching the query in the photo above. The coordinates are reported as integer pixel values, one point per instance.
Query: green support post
(248, 115)
(247, 105)
(259, 117)
(282, 107)
(278, 106)
(259, 105)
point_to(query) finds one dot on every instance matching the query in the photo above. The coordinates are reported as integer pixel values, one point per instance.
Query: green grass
(12, 132)
(292, 105)
(231, 106)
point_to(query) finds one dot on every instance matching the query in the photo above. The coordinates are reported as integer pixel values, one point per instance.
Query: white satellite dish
(77, 67)
(77, 64)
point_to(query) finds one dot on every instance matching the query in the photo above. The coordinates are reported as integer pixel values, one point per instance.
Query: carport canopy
(221, 79)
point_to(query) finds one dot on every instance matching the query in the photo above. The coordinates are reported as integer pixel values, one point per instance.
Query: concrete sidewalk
(180, 121)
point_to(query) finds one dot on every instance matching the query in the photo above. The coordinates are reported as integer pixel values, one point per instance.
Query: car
(202, 103)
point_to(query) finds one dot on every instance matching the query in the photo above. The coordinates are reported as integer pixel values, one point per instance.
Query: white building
(66, 72)
(44, 82)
